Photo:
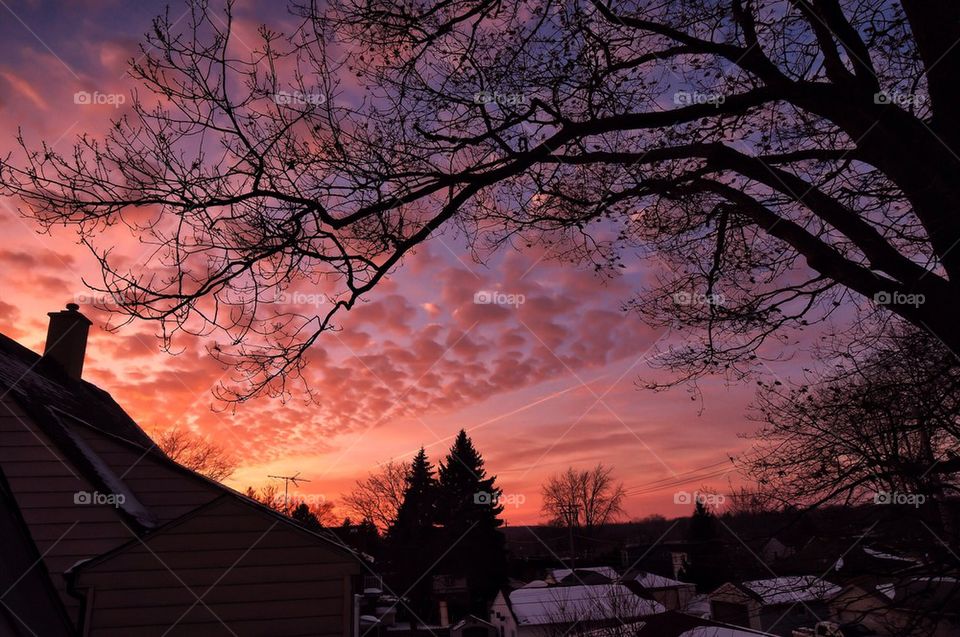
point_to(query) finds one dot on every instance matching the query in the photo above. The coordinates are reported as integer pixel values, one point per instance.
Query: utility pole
(571, 513)
(296, 480)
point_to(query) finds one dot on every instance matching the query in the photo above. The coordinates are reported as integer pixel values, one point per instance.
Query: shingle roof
(560, 604)
(791, 589)
(35, 383)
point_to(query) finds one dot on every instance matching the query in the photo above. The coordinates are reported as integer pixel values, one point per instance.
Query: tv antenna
(295, 479)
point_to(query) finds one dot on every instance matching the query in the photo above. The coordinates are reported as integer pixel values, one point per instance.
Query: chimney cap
(72, 312)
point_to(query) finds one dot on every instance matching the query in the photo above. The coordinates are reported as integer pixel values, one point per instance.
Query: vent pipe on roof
(67, 339)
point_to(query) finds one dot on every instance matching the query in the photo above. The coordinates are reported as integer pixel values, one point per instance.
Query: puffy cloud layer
(532, 356)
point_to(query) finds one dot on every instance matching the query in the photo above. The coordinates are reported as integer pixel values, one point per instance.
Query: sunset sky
(551, 383)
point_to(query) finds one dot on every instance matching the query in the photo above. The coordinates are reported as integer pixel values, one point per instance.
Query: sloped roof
(653, 581)
(675, 624)
(560, 604)
(63, 408)
(36, 383)
(561, 574)
(791, 589)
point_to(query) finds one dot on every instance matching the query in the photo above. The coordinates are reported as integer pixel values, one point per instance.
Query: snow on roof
(561, 573)
(792, 589)
(720, 631)
(698, 606)
(652, 580)
(537, 583)
(121, 494)
(559, 604)
(888, 556)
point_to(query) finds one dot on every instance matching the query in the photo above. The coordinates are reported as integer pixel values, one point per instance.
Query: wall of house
(502, 617)
(674, 598)
(855, 605)
(254, 574)
(781, 619)
(44, 482)
(730, 604)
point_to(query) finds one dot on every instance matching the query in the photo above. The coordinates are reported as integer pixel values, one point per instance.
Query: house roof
(654, 581)
(114, 456)
(259, 508)
(563, 604)
(675, 624)
(36, 383)
(791, 589)
(582, 574)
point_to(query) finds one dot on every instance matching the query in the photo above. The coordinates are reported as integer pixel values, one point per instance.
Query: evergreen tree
(706, 564)
(468, 511)
(302, 514)
(412, 539)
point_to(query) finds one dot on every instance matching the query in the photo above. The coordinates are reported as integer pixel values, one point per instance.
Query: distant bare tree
(749, 500)
(588, 498)
(882, 423)
(324, 511)
(378, 496)
(271, 495)
(196, 452)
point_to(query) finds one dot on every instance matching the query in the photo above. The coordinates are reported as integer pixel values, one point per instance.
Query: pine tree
(706, 564)
(468, 511)
(302, 514)
(411, 543)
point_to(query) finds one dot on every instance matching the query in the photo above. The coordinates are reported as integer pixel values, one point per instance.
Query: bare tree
(883, 424)
(196, 452)
(272, 496)
(748, 143)
(378, 496)
(587, 499)
(600, 610)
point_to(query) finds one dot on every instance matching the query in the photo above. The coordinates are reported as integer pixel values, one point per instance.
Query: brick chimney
(67, 339)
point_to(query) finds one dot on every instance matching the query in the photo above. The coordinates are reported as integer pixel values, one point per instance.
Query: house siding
(261, 568)
(43, 482)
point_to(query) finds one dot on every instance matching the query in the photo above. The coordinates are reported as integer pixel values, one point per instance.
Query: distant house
(104, 535)
(673, 594)
(473, 626)
(585, 575)
(541, 610)
(674, 624)
(777, 605)
(905, 605)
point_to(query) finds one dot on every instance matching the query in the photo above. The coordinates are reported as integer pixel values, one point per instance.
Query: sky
(540, 385)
